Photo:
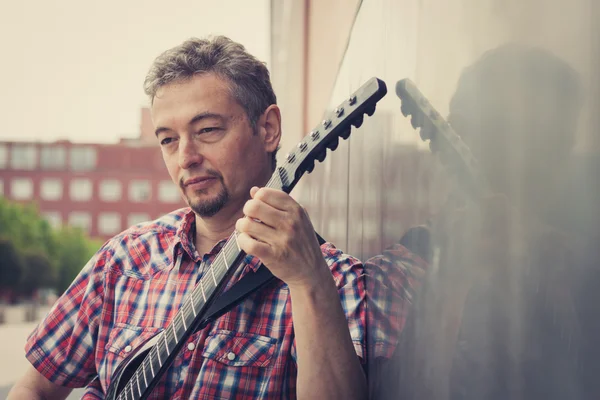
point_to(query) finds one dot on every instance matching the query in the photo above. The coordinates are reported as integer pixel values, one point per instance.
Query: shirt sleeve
(349, 277)
(63, 344)
(392, 280)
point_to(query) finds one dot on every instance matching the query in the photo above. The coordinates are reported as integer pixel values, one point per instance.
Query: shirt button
(231, 356)
(128, 348)
(191, 346)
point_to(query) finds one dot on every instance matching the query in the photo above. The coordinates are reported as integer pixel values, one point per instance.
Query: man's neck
(209, 231)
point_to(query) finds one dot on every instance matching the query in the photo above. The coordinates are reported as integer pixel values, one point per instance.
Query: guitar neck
(190, 316)
(300, 160)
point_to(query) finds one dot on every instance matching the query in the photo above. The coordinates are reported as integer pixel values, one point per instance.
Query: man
(495, 320)
(219, 128)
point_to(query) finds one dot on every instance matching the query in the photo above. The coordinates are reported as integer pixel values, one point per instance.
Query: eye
(166, 141)
(207, 130)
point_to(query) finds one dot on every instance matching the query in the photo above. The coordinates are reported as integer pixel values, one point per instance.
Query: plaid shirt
(132, 288)
(394, 277)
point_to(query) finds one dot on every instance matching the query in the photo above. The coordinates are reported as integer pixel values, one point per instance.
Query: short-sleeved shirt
(133, 287)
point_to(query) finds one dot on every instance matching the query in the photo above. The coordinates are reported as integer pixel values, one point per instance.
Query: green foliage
(41, 257)
(11, 266)
(38, 273)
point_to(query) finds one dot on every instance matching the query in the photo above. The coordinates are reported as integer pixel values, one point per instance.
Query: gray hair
(248, 77)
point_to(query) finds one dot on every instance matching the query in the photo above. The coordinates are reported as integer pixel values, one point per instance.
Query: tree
(39, 273)
(74, 251)
(11, 270)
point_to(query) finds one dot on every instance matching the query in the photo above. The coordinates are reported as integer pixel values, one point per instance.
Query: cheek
(172, 167)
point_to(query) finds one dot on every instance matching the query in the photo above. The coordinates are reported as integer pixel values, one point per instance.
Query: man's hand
(278, 231)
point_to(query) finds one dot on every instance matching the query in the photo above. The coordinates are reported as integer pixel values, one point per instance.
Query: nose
(189, 154)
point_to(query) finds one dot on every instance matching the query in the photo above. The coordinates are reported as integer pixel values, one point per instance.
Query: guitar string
(155, 350)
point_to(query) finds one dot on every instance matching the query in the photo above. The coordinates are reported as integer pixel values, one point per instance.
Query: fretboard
(191, 314)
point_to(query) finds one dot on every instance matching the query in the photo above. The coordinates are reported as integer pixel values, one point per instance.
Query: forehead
(178, 102)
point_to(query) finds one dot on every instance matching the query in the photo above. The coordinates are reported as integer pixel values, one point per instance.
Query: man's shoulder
(146, 238)
(167, 224)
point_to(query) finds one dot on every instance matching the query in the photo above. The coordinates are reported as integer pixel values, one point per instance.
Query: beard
(207, 208)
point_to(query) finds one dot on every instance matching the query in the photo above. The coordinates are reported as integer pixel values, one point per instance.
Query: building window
(54, 218)
(168, 192)
(23, 157)
(51, 189)
(82, 220)
(139, 191)
(3, 156)
(21, 188)
(80, 189)
(53, 157)
(83, 158)
(136, 218)
(109, 223)
(110, 190)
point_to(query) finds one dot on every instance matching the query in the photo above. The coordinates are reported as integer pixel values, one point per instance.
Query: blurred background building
(100, 188)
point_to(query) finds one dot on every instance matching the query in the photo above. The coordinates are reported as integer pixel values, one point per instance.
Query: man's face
(208, 144)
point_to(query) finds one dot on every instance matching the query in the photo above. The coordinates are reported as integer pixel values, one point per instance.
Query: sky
(74, 69)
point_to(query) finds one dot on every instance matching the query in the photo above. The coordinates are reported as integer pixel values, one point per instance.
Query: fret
(137, 379)
(166, 344)
(132, 394)
(151, 366)
(225, 260)
(212, 270)
(144, 373)
(174, 333)
(193, 306)
(235, 240)
(158, 354)
(202, 288)
(183, 320)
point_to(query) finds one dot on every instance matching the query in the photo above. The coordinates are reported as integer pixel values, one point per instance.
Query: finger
(275, 198)
(252, 246)
(263, 212)
(256, 230)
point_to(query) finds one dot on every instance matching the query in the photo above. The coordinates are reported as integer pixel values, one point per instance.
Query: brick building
(102, 188)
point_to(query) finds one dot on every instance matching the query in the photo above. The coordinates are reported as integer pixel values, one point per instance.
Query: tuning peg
(370, 111)
(321, 155)
(416, 121)
(346, 133)
(334, 143)
(425, 135)
(434, 146)
(358, 121)
(404, 109)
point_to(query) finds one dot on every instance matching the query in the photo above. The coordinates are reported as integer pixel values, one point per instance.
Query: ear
(269, 128)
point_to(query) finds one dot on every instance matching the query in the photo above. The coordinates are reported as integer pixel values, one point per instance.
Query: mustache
(209, 172)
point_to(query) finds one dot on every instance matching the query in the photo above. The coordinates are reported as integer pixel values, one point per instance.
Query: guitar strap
(238, 292)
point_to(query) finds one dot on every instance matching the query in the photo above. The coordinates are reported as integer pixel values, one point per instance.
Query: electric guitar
(443, 140)
(139, 373)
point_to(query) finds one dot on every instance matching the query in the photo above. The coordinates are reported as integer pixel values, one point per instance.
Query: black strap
(248, 284)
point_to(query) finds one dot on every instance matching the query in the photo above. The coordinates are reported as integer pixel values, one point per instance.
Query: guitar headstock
(443, 140)
(336, 125)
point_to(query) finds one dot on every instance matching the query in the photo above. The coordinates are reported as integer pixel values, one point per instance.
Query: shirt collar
(184, 239)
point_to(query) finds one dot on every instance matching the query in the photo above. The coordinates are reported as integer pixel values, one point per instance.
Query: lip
(200, 179)
(199, 182)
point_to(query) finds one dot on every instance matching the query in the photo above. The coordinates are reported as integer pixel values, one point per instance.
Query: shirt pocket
(123, 340)
(239, 349)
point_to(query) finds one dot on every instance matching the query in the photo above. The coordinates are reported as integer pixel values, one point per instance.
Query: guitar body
(127, 368)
